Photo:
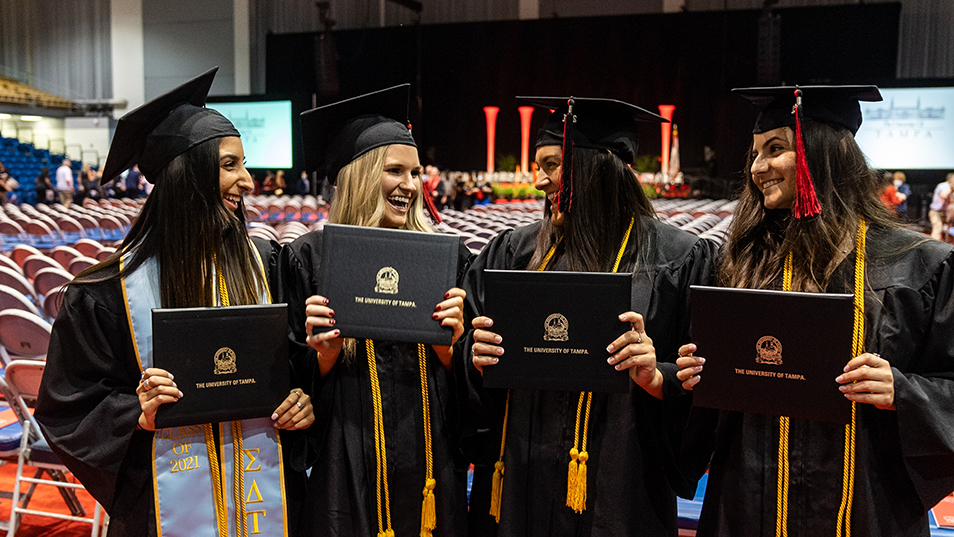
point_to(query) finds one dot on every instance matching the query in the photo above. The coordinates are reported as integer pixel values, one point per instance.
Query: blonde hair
(359, 201)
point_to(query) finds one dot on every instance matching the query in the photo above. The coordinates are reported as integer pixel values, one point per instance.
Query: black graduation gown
(904, 458)
(632, 476)
(88, 408)
(341, 497)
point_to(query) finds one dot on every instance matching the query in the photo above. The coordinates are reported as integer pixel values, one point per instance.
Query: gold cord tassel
(496, 489)
(428, 507)
(573, 472)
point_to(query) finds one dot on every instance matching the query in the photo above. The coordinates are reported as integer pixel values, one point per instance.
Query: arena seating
(25, 163)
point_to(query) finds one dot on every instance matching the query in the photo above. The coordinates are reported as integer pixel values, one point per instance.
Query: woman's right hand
(156, 388)
(487, 347)
(690, 366)
(328, 344)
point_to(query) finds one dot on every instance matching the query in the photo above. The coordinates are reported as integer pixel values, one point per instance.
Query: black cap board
(836, 105)
(551, 133)
(597, 123)
(605, 124)
(164, 128)
(336, 134)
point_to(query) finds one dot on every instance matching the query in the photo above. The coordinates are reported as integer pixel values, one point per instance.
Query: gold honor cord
(496, 488)
(218, 488)
(858, 344)
(576, 472)
(380, 453)
(238, 489)
(428, 506)
(843, 527)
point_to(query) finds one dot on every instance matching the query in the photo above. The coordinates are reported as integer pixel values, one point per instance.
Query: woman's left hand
(295, 412)
(450, 313)
(868, 379)
(634, 351)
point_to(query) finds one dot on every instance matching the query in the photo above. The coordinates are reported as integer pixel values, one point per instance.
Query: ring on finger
(145, 384)
(639, 337)
(297, 392)
(299, 405)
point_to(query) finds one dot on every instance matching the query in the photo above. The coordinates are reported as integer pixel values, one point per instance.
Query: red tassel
(806, 202)
(564, 197)
(431, 208)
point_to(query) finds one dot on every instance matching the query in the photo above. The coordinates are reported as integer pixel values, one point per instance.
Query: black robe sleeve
(87, 406)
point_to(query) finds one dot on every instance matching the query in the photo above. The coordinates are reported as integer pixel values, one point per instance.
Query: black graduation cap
(837, 105)
(788, 106)
(592, 123)
(164, 128)
(336, 134)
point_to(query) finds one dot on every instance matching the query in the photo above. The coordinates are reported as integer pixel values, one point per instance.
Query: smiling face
(773, 167)
(234, 179)
(400, 184)
(548, 159)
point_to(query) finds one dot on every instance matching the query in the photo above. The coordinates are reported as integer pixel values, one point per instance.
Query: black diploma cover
(229, 363)
(773, 352)
(384, 283)
(555, 328)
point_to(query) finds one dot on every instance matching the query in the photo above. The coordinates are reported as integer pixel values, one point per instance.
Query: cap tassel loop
(806, 202)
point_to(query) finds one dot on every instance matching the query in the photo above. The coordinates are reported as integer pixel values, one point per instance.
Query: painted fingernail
(332, 313)
(621, 316)
(180, 395)
(497, 339)
(499, 350)
(490, 322)
(496, 360)
(325, 301)
(839, 379)
(437, 308)
(609, 360)
(331, 322)
(447, 295)
(433, 316)
(275, 414)
(337, 332)
(609, 348)
(170, 376)
(702, 360)
(617, 366)
(697, 369)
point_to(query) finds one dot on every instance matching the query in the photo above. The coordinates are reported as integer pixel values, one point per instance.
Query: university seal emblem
(556, 328)
(225, 361)
(387, 281)
(769, 351)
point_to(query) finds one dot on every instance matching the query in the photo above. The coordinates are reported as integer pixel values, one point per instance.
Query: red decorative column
(526, 112)
(665, 110)
(491, 113)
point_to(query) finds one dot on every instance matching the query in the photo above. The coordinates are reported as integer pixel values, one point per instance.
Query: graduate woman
(809, 219)
(569, 463)
(98, 400)
(370, 392)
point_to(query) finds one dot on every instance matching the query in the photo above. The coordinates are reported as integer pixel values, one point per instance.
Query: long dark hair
(760, 238)
(187, 228)
(606, 195)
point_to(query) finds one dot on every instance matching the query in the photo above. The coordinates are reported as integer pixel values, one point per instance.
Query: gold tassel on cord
(428, 507)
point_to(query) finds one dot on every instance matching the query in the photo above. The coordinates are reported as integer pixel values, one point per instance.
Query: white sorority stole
(203, 487)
